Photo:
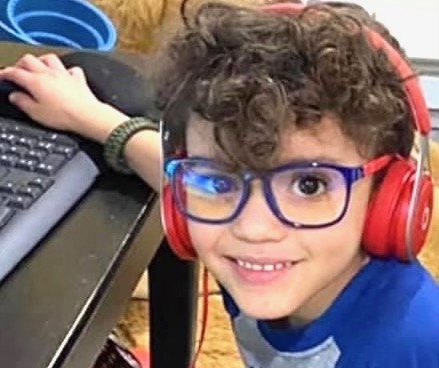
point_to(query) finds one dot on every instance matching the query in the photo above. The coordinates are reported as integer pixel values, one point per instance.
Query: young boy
(287, 141)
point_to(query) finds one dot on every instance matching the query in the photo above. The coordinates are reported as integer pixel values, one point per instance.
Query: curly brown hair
(254, 74)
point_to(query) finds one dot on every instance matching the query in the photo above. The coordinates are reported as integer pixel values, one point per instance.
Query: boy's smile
(273, 270)
(261, 270)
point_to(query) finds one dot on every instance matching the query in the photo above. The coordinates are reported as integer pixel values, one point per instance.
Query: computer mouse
(6, 108)
(111, 80)
(7, 87)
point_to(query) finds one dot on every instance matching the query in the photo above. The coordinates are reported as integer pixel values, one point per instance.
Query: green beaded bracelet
(115, 144)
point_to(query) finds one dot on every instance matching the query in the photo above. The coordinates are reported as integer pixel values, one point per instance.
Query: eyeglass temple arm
(377, 164)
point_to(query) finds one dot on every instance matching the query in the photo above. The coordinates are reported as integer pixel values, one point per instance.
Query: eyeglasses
(301, 195)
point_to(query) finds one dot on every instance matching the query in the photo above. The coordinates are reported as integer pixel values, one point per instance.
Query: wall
(414, 23)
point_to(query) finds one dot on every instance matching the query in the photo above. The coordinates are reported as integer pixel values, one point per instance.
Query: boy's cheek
(359, 205)
(204, 236)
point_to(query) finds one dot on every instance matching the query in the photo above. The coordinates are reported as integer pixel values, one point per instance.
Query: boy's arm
(143, 155)
(142, 150)
(61, 99)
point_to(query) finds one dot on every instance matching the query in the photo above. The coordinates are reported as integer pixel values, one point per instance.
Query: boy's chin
(264, 310)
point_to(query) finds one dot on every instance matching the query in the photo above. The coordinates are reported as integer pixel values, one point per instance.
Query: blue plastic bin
(7, 31)
(72, 23)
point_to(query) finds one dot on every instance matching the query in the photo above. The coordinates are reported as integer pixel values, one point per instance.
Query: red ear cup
(421, 219)
(382, 207)
(384, 233)
(176, 227)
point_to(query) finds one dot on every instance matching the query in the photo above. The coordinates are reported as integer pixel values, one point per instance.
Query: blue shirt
(386, 317)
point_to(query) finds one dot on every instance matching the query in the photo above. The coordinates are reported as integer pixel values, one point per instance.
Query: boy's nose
(257, 223)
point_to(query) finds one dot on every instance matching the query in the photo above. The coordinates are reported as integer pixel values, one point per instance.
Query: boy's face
(311, 266)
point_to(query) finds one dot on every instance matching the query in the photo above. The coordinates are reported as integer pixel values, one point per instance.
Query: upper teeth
(263, 267)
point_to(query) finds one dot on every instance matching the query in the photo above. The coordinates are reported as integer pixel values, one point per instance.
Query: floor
(218, 349)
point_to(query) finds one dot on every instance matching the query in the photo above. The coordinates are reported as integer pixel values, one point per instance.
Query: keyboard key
(6, 214)
(20, 202)
(30, 191)
(41, 182)
(51, 164)
(68, 151)
(3, 172)
(8, 160)
(8, 138)
(26, 164)
(28, 142)
(36, 154)
(8, 187)
(45, 146)
(13, 180)
(60, 139)
(4, 147)
(17, 150)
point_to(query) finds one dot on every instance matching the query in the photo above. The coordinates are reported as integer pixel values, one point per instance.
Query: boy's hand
(60, 98)
(56, 97)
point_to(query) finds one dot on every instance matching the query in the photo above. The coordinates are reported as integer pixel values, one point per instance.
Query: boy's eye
(309, 186)
(222, 184)
(210, 183)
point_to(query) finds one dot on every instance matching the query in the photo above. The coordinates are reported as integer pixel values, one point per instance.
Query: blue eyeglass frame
(350, 174)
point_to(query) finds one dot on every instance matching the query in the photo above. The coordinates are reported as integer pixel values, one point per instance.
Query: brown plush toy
(144, 25)
(138, 21)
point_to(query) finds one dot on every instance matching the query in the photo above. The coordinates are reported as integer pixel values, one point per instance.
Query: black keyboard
(42, 175)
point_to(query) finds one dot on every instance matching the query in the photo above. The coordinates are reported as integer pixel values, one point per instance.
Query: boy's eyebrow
(315, 158)
(323, 159)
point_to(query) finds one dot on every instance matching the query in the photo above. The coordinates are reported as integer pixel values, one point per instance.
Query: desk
(60, 303)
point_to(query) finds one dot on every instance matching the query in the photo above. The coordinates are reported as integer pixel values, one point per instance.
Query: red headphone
(400, 211)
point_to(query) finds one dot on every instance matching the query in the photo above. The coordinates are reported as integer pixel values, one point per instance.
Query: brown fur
(144, 25)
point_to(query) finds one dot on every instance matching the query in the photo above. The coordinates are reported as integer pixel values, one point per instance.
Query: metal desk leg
(173, 289)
